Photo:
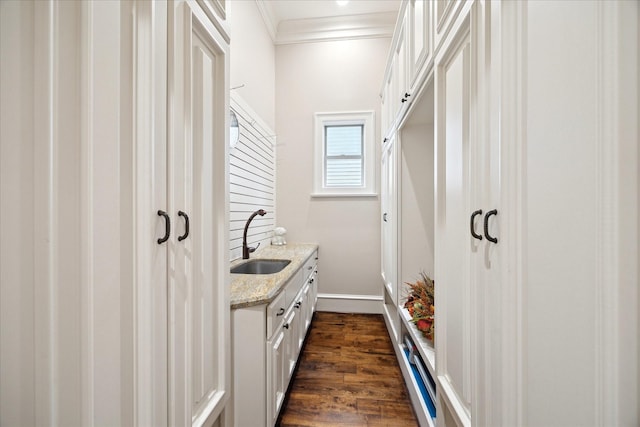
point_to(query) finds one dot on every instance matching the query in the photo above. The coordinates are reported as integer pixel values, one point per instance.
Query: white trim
(614, 334)
(353, 27)
(270, 21)
(511, 78)
(311, 30)
(458, 411)
(149, 107)
(330, 195)
(606, 334)
(350, 303)
(366, 118)
(216, 15)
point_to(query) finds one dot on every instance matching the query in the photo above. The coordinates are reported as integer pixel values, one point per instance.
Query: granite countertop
(254, 289)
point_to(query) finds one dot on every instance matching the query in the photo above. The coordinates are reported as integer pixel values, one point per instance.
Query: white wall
(252, 59)
(325, 77)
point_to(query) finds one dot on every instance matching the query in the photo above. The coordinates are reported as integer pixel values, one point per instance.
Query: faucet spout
(246, 250)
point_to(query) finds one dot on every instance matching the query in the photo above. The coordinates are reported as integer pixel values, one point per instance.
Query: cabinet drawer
(293, 287)
(275, 313)
(309, 265)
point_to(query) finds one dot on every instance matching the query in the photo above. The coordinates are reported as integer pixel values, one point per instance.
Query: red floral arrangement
(421, 305)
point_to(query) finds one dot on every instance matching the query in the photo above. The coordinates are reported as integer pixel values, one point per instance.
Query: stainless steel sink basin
(261, 266)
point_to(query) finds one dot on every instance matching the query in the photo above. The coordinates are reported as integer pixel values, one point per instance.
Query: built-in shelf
(424, 346)
(422, 410)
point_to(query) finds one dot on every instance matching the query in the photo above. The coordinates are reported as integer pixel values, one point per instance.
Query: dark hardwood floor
(347, 375)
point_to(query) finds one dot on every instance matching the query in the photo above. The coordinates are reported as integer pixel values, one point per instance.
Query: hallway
(348, 375)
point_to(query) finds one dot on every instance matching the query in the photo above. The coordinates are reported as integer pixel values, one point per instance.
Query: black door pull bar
(186, 226)
(473, 229)
(486, 226)
(167, 227)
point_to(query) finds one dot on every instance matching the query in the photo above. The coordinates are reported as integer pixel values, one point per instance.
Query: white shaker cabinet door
(197, 272)
(453, 187)
(389, 220)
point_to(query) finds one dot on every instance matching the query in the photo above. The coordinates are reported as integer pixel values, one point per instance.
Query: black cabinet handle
(186, 226)
(384, 217)
(486, 226)
(167, 227)
(471, 226)
(406, 95)
(280, 312)
(403, 100)
(286, 326)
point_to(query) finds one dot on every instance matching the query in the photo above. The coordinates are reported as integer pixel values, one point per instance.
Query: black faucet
(246, 250)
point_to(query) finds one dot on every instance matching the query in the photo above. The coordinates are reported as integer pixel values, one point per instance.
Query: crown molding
(350, 27)
(373, 25)
(269, 18)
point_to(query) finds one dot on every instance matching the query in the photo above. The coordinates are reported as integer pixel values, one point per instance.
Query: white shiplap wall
(252, 179)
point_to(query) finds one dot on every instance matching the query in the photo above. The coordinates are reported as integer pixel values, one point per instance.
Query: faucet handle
(252, 250)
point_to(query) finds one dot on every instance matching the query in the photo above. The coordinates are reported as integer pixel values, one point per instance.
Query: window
(344, 159)
(344, 154)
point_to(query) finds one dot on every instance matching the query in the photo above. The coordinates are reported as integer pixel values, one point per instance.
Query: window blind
(344, 159)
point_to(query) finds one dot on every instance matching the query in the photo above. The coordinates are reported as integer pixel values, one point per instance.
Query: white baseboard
(346, 303)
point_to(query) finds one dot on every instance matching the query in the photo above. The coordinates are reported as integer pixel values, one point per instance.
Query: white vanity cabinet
(267, 343)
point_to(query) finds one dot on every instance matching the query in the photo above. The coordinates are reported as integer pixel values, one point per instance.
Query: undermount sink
(261, 266)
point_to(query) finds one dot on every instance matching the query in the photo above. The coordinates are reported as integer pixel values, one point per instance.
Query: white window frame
(365, 118)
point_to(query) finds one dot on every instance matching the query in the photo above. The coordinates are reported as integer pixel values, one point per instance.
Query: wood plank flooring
(347, 375)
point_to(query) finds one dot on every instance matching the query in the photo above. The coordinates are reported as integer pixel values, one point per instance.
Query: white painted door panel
(453, 242)
(277, 363)
(389, 224)
(454, 277)
(197, 173)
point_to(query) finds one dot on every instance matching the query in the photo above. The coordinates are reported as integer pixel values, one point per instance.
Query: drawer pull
(280, 312)
(286, 326)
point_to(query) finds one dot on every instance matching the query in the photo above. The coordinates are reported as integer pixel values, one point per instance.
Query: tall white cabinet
(114, 295)
(529, 111)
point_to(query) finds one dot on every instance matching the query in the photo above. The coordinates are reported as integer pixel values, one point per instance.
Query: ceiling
(299, 21)
(304, 9)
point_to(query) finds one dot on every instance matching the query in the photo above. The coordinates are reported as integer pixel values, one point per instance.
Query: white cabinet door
(314, 292)
(420, 37)
(453, 242)
(277, 363)
(291, 343)
(389, 221)
(197, 275)
(400, 95)
(300, 305)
